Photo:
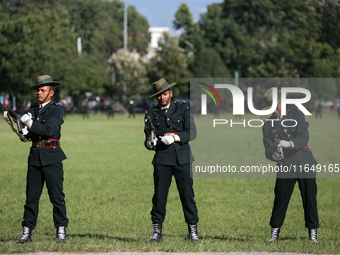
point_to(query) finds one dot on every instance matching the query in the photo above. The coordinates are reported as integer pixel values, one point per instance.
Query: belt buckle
(40, 143)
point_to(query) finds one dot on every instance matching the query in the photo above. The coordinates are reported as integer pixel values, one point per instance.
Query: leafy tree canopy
(171, 64)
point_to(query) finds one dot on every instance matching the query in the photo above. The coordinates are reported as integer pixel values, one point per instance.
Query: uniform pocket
(158, 122)
(177, 123)
(274, 135)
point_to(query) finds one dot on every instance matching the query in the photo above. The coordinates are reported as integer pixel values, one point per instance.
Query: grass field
(109, 186)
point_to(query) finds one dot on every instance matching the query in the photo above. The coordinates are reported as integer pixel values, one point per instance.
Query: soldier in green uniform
(43, 123)
(287, 145)
(174, 128)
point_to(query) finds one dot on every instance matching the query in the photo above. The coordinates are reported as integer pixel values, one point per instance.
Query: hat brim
(52, 83)
(162, 90)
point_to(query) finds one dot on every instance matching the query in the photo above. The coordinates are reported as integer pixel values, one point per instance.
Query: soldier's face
(44, 94)
(164, 98)
(277, 112)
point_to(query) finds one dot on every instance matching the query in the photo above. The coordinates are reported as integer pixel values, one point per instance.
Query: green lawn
(109, 186)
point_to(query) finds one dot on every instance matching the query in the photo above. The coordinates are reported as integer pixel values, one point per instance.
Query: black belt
(46, 143)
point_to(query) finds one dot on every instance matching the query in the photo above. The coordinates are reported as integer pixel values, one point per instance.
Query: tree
(39, 37)
(183, 18)
(191, 38)
(329, 18)
(209, 64)
(33, 45)
(139, 36)
(128, 75)
(108, 36)
(86, 16)
(83, 74)
(170, 64)
(268, 36)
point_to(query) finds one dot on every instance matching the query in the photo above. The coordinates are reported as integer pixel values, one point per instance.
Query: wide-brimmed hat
(44, 80)
(161, 86)
(268, 99)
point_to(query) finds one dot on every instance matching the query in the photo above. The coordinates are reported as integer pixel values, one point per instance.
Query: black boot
(61, 234)
(26, 235)
(157, 233)
(193, 233)
(312, 232)
(275, 235)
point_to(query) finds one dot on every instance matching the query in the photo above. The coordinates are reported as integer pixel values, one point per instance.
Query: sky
(161, 13)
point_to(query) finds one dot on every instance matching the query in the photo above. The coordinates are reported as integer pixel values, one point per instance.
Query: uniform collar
(44, 104)
(165, 107)
(161, 111)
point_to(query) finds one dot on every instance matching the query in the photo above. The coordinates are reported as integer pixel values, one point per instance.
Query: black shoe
(61, 234)
(157, 233)
(312, 232)
(26, 235)
(275, 235)
(193, 233)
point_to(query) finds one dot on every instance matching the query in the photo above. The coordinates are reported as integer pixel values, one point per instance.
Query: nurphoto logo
(238, 99)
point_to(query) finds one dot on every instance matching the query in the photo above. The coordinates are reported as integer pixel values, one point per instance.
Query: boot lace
(193, 232)
(313, 234)
(155, 231)
(61, 233)
(275, 232)
(26, 233)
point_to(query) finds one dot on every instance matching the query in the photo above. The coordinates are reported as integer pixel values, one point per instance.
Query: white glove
(277, 156)
(286, 144)
(150, 145)
(168, 139)
(27, 119)
(24, 131)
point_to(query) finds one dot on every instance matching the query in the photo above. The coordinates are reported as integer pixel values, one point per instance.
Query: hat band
(45, 80)
(164, 85)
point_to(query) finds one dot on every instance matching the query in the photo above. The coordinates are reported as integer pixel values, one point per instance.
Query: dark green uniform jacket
(47, 124)
(295, 160)
(300, 155)
(178, 120)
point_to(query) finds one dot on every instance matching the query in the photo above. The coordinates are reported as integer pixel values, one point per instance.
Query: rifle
(149, 128)
(10, 116)
(278, 147)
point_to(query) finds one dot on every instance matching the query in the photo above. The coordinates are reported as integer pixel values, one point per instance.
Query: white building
(157, 33)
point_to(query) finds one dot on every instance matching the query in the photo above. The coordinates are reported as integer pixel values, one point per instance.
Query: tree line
(258, 38)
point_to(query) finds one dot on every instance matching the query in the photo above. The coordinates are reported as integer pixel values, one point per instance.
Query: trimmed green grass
(109, 186)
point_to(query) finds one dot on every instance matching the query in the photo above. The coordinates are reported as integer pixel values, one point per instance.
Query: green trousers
(162, 181)
(53, 175)
(283, 191)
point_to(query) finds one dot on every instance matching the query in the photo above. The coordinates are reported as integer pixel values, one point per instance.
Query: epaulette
(57, 104)
(184, 103)
(151, 109)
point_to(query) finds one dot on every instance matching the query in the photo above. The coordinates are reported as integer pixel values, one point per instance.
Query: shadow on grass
(292, 238)
(248, 238)
(207, 237)
(226, 238)
(98, 236)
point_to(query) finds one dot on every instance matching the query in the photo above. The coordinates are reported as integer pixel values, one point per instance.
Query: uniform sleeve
(268, 143)
(146, 134)
(189, 131)
(52, 124)
(302, 136)
(28, 135)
